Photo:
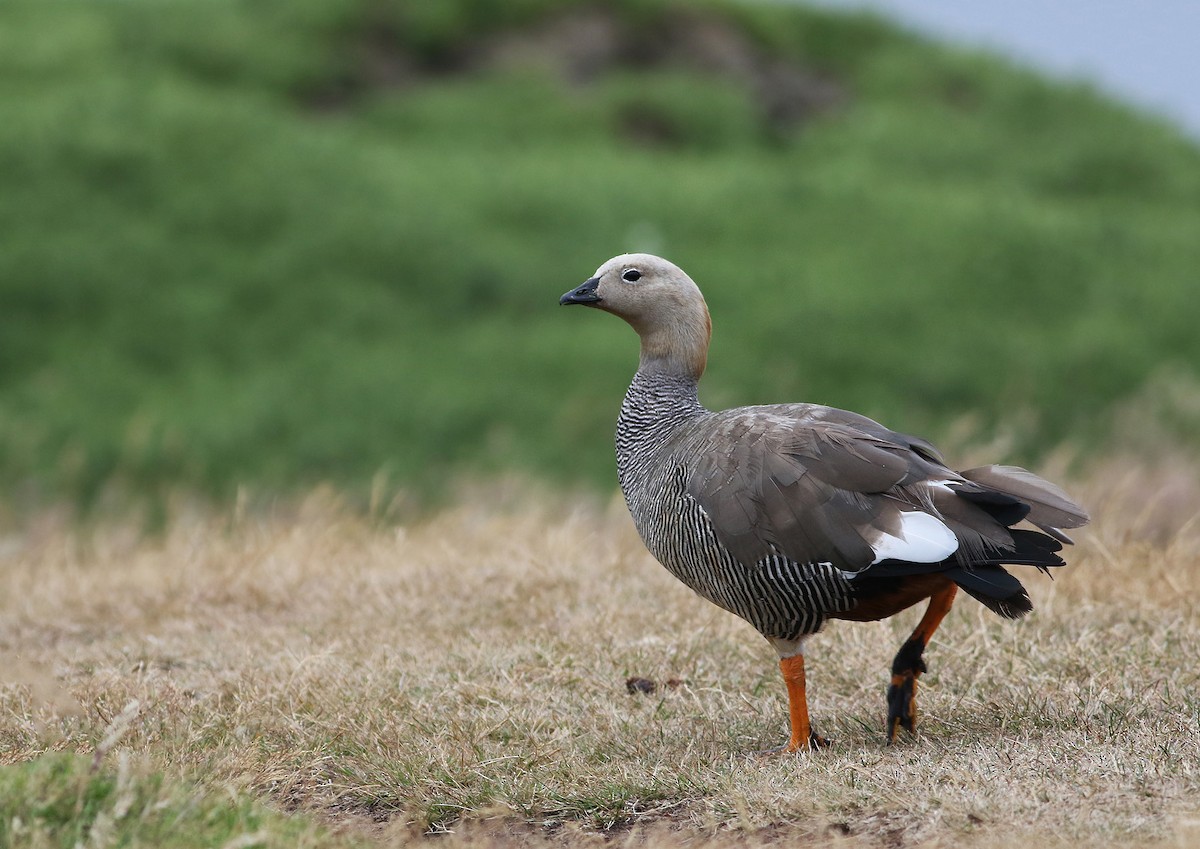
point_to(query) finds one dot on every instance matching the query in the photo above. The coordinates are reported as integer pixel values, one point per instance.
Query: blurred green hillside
(271, 243)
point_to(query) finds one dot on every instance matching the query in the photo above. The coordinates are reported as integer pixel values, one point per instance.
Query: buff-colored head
(660, 302)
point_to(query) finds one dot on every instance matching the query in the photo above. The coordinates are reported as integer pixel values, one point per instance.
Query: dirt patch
(581, 46)
(504, 832)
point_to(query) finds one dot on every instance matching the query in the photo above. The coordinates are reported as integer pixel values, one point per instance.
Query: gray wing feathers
(1050, 508)
(979, 533)
(847, 458)
(820, 485)
(803, 485)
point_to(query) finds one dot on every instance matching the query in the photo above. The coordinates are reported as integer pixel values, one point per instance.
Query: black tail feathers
(995, 588)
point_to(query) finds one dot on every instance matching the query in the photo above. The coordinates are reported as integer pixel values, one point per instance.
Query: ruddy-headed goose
(791, 514)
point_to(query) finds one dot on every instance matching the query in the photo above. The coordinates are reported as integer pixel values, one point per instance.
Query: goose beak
(585, 294)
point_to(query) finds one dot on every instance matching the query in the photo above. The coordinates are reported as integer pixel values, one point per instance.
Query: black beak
(585, 294)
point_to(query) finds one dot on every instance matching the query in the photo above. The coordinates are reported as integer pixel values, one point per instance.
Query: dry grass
(467, 673)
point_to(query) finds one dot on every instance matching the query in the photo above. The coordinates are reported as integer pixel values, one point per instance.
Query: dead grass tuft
(467, 673)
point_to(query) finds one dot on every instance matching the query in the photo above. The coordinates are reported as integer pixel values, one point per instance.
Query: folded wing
(817, 484)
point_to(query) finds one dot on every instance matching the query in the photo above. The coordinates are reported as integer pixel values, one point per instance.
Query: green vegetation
(274, 243)
(61, 801)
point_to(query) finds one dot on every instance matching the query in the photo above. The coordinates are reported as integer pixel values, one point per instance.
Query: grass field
(312, 677)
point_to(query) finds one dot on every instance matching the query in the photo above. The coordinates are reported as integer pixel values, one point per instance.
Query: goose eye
(632, 275)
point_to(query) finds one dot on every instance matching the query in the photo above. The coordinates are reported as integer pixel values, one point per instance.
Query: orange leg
(908, 665)
(802, 736)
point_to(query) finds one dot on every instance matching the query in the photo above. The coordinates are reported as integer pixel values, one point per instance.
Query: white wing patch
(922, 538)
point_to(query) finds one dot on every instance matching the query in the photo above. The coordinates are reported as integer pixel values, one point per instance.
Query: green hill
(274, 243)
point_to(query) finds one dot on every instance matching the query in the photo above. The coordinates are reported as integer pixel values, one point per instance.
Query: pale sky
(1143, 51)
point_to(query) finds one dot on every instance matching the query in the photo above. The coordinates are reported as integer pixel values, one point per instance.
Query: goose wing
(823, 485)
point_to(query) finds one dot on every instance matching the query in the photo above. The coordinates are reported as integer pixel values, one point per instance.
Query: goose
(789, 515)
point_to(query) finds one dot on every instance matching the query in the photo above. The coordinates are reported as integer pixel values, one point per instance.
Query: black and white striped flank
(780, 597)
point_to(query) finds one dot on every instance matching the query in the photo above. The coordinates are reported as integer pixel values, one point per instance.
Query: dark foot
(815, 741)
(902, 692)
(902, 705)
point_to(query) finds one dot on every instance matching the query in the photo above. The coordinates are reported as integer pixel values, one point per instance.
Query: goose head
(661, 303)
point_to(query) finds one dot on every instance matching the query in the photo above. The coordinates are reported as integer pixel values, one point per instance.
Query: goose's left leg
(803, 738)
(908, 665)
(791, 664)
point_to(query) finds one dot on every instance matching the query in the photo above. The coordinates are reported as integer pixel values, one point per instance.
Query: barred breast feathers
(662, 427)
